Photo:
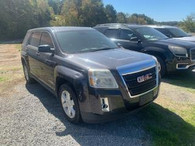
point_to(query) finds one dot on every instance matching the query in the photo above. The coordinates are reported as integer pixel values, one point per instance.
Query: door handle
(50, 63)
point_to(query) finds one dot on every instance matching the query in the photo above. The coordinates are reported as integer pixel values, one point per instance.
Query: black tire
(77, 118)
(162, 66)
(29, 79)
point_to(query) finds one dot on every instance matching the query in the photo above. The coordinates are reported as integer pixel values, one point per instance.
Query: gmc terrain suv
(93, 79)
(174, 32)
(172, 54)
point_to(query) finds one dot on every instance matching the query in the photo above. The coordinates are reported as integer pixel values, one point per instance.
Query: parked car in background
(173, 55)
(93, 79)
(174, 32)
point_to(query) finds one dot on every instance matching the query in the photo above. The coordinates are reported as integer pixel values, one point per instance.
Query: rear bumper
(119, 107)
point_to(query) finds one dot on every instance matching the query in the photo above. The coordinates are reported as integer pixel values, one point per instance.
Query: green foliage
(110, 14)
(121, 17)
(140, 19)
(17, 16)
(189, 23)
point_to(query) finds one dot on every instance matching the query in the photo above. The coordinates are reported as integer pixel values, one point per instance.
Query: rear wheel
(69, 104)
(27, 76)
(161, 66)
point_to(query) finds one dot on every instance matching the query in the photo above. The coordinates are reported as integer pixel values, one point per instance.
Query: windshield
(150, 34)
(83, 41)
(176, 32)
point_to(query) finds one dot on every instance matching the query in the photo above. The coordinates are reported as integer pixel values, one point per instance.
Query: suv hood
(190, 38)
(110, 59)
(176, 42)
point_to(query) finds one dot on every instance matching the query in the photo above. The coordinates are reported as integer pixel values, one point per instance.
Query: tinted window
(165, 32)
(83, 41)
(126, 34)
(112, 33)
(177, 32)
(150, 33)
(35, 39)
(46, 40)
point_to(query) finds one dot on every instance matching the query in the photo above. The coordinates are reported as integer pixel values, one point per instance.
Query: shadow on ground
(183, 79)
(163, 126)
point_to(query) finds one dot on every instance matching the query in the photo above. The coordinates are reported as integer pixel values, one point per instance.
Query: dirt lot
(30, 115)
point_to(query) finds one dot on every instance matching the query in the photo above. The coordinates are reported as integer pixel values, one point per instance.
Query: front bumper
(180, 64)
(118, 106)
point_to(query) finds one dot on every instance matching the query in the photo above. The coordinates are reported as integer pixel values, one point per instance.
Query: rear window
(35, 39)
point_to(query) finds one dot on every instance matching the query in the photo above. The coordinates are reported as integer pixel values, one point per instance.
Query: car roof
(61, 28)
(119, 25)
(160, 26)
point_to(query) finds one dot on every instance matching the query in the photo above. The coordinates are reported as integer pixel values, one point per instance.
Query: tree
(140, 19)
(56, 5)
(121, 17)
(110, 14)
(17, 16)
(189, 23)
(92, 13)
(71, 12)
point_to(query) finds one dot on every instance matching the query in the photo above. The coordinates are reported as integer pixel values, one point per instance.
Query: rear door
(32, 52)
(47, 62)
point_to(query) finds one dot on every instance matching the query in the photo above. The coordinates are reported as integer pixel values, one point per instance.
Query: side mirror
(46, 49)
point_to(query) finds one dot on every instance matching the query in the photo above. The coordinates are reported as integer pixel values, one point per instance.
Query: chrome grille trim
(144, 68)
(191, 55)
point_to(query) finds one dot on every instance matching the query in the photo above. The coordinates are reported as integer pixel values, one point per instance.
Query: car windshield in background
(178, 32)
(150, 34)
(83, 41)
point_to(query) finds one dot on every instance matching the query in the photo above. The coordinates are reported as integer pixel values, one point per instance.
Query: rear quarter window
(35, 39)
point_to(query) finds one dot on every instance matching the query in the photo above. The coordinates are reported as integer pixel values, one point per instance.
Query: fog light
(182, 66)
(105, 104)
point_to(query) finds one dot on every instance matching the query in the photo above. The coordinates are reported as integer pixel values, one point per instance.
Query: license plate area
(144, 99)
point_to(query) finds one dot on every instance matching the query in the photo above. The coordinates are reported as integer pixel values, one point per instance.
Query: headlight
(101, 79)
(178, 51)
(157, 64)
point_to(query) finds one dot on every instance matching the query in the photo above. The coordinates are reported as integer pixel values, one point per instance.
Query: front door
(47, 62)
(129, 40)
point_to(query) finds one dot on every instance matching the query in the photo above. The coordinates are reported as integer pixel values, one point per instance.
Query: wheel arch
(74, 79)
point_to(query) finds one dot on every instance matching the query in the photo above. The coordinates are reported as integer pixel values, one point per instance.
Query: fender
(77, 80)
(164, 53)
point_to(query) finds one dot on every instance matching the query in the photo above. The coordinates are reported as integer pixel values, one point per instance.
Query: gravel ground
(32, 116)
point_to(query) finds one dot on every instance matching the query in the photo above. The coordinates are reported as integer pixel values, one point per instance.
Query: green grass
(186, 81)
(168, 128)
(18, 47)
(3, 79)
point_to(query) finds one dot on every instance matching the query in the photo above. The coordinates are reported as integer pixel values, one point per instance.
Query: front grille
(136, 88)
(193, 54)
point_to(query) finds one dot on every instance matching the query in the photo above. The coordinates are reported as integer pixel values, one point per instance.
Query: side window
(165, 32)
(35, 39)
(127, 34)
(112, 33)
(46, 40)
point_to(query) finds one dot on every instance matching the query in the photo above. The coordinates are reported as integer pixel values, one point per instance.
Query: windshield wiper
(100, 49)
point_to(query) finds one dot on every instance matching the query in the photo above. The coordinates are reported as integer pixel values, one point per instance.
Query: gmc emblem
(144, 78)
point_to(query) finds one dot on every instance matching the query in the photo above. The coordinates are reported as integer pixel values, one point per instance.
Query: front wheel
(69, 104)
